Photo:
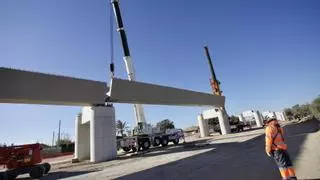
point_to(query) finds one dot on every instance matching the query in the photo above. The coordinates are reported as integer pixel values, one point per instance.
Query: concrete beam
(124, 91)
(25, 87)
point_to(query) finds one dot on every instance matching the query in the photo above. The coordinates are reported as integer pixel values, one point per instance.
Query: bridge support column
(258, 119)
(82, 139)
(223, 121)
(241, 118)
(96, 134)
(103, 144)
(203, 126)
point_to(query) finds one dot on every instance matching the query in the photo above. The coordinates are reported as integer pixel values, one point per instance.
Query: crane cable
(111, 42)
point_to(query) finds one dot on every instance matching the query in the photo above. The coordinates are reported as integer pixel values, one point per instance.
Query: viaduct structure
(95, 125)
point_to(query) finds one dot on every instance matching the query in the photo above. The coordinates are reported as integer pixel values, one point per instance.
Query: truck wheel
(176, 141)
(146, 145)
(9, 176)
(12, 177)
(126, 149)
(164, 142)
(134, 149)
(156, 141)
(36, 172)
(47, 168)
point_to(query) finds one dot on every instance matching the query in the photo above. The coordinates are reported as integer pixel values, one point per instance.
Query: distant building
(248, 115)
(278, 115)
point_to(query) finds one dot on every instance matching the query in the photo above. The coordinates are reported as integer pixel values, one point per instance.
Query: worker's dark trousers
(284, 163)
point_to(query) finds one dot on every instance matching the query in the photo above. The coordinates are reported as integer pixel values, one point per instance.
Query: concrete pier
(96, 134)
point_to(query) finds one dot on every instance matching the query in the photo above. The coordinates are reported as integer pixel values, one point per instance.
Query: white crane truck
(144, 135)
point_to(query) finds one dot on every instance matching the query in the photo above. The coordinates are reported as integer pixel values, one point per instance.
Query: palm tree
(121, 126)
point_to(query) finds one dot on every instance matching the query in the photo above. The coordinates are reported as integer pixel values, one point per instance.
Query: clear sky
(265, 53)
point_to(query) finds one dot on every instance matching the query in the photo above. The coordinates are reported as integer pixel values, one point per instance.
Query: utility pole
(58, 144)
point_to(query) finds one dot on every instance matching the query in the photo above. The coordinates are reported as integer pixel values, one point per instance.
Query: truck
(144, 135)
(142, 141)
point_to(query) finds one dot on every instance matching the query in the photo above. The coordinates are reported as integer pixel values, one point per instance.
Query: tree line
(300, 111)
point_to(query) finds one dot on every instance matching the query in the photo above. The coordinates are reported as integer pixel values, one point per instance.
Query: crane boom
(138, 109)
(215, 84)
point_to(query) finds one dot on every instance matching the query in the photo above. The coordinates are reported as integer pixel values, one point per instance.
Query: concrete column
(203, 126)
(223, 121)
(261, 117)
(82, 139)
(103, 145)
(241, 118)
(274, 115)
(258, 119)
(284, 116)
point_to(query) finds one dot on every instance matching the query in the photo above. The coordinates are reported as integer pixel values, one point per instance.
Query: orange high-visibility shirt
(274, 138)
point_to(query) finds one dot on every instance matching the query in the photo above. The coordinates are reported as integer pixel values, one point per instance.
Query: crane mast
(138, 109)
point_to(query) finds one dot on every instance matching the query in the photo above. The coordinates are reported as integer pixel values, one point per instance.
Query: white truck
(143, 141)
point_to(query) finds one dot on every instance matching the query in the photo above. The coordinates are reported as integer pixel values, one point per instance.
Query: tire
(10, 176)
(176, 141)
(145, 145)
(134, 149)
(164, 142)
(156, 141)
(47, 168)
(36, 172)
(126, 149)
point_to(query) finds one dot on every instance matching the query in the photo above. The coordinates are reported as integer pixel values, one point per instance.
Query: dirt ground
(234, 156)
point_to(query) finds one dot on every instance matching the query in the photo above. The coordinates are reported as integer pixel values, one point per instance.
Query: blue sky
(265, 53)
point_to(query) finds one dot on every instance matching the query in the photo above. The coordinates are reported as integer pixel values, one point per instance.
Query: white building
(278, 115)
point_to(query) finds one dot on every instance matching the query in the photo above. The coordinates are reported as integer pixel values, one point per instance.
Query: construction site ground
(233, 156)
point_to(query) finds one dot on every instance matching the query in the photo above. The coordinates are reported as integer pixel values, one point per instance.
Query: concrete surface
(232, 156)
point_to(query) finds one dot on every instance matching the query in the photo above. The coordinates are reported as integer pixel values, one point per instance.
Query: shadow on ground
(58, 175)
(245, 160)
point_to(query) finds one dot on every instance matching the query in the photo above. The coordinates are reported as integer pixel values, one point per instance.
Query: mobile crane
(215, 85)
(144, 134)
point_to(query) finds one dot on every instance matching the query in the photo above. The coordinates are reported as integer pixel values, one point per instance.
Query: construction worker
(277, 148)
